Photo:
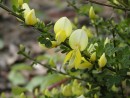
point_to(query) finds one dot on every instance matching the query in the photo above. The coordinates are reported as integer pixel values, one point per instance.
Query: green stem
(96, 27)
(122, 92)
(11, 12)
(52, 69)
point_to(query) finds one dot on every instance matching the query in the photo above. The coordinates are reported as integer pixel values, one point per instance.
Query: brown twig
(58, 84)
(108, 5)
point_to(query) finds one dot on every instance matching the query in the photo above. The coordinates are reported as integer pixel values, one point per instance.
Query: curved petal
(63, 24)
(78, 39)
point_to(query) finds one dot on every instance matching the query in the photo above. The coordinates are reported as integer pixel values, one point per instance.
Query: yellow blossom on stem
(93, 57)
(74, 58)
(67, 90)
(26, 9)
(20, 2)
(107, 40)
(77, 89)
(30, 18)
(47, 93)
(92, 14)
(62, 29)
(78, 42)
(102, 61)
(85, 64)
(78, 39)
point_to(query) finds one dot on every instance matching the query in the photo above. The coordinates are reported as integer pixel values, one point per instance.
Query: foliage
(97, 59)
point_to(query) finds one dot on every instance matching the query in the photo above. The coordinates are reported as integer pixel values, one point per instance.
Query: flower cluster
(78, 41)
(72, 89)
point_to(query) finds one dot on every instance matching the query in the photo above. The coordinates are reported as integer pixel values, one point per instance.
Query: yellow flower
(92, 14)
(20, 2)
(47, 93)
(60, 37)
(85, 64)
(78, 42)
(107, 40)
(62, 29)
(54, 91)
(102, 61)
(74, 58)
(77, 89)
(93, 57)
(114, 88)
(78, 39)
(26, 9)
(67, 90)
(30, 18)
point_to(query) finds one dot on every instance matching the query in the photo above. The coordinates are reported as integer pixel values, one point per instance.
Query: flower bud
(77, 90)
(93, 57)
(20, 2)
(26, 9)
(47, 93)
(114, 88)
(30, 18)
(67, 90)
(78, 39)
(92, 14)
(54, 91)
(96, 96)
(107, 40)
(62, 29)
(102, 61)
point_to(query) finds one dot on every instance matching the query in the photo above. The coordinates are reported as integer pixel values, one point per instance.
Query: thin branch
(71, 4)
(122, 92)
(103, 4)
(11, 12)
(52, 69)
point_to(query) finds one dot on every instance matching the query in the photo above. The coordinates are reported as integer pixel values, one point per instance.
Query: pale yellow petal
(20, 2)
(93, 57)
(92, 14)
(67, 90)
(30, 18)
(77, 59)
(60, 37)
(102, 61)
(63, 24)
(68, 56)
(85, 65)
(26, 9)
(78, 39)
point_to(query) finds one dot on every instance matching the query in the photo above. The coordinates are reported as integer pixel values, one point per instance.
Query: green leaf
(51, 79)
(16, 78)
(48, 43)
(21, 66)
(18, 90)
(36, 81)
(14, 3)
(26, 1)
